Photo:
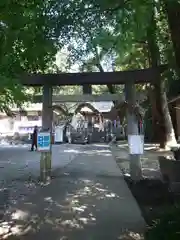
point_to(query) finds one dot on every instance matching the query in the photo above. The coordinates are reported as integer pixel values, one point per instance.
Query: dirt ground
(152, 194)
(153, 197)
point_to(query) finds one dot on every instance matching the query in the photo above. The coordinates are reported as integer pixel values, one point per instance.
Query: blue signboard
(44, 141)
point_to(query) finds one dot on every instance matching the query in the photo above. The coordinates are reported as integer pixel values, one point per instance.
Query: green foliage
(27, 44)
(67, 90)
(26, 36)
(99, 29)
(97, 33)
(11, 93)
(103, 30)
(166, 227)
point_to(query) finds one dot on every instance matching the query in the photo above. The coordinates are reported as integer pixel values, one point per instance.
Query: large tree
(165, 127)
(28, 35)
(92, 30)
(172, 9)
(125, 28)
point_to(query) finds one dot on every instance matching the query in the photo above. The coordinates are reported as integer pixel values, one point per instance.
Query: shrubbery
(166, 227)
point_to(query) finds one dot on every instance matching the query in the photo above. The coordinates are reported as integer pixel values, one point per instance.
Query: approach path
(88, 201)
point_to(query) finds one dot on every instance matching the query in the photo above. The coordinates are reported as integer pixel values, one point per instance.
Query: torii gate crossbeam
(93, 78)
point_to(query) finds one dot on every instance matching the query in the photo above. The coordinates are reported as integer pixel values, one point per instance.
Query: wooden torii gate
(86, 79)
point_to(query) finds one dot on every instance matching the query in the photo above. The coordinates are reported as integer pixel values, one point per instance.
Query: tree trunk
(166, 131)
(154, 113)
(170, 133)
(173, 112)
(110, 87)
(172, 8)
(167, 135)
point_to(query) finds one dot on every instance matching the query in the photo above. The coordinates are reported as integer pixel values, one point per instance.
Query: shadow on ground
(74, 206)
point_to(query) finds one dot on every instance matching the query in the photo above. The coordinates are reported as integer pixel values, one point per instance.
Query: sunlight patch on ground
(98, 152)
(71, 151)
(90, 152)
(131, 236)
(101, 151)
(7, 144)
(19, 215)
(100, 145)
(94, 189)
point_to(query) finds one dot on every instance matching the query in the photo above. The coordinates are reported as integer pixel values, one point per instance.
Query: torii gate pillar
(132, 129)
(87, 88)
(47, 119)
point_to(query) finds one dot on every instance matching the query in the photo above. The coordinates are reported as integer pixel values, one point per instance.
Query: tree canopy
(99, 35)
(28, 43)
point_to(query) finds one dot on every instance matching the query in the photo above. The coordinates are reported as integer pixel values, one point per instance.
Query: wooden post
(132, 129)
(47, 118)
(87, 89)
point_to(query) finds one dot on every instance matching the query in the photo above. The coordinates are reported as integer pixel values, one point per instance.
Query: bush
(166, 227)
(176, 153)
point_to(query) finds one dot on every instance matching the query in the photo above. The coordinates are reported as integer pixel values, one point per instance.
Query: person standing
(34, 139)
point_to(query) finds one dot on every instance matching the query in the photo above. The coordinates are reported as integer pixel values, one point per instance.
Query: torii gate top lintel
(93, 78)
